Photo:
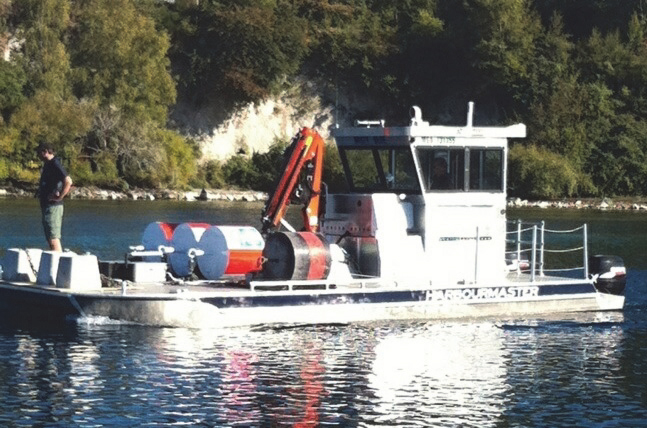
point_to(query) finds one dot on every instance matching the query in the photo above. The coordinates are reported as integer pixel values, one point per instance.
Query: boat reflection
(482, 373)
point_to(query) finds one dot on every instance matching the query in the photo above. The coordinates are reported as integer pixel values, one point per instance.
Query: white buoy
(230, 250)
(185, 238)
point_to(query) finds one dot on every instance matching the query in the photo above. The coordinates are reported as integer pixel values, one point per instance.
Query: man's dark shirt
(51, 180)
(443, 182)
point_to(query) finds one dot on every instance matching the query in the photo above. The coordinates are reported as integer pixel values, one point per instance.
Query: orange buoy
(230, 250)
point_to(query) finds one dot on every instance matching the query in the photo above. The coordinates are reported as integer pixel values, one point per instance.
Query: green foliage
(12, 81)
(538, 173)
(239, 51)
(349, 41)
(101, 172)
(93, 77)
(333, 173)
(262, 171)
(44, 53)
(4, 169)
(240, 172)
(46, 116)
(211, 174)
(269, 166)
(119, 58)
(178, 166)
(508, 31)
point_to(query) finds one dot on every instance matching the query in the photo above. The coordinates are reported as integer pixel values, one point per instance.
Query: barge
(421, 233)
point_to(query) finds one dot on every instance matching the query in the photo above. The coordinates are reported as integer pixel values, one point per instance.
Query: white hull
(215, 306)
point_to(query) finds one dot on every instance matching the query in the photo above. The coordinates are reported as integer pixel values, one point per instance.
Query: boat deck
(238, 285)
(516, 278)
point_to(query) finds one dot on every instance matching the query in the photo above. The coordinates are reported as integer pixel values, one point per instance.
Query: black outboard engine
(609, 274)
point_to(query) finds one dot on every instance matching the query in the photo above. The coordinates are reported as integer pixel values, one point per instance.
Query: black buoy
(609, 273)
(296, 256)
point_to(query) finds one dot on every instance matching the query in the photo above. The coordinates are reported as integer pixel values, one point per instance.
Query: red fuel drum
(231, 250)
(296, 255)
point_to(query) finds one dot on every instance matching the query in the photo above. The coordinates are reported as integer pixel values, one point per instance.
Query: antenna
(470, 113)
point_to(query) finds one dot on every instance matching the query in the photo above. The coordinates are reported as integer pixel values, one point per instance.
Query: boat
(421, 233)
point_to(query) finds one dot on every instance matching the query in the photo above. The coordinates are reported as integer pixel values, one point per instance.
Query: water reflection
(456, 370)
(570, 378)
(546, 372)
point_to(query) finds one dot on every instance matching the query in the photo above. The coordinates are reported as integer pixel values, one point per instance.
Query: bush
(333, 173)
(179, 164)
(4, 169)
(239, 172)
(210, 174)
(537, 173)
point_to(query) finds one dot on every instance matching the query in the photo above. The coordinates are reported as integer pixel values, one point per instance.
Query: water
(569, 371)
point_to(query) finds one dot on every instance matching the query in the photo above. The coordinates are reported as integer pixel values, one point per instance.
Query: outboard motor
(609, 274)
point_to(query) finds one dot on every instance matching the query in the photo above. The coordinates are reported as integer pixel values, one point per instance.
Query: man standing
(54, 184)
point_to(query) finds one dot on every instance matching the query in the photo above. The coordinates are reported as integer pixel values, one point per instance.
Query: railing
(527, 239)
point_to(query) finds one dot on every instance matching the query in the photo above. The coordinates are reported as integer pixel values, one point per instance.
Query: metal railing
(528, 239)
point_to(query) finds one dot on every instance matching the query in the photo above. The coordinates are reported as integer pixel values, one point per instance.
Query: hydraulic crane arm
(305, 154)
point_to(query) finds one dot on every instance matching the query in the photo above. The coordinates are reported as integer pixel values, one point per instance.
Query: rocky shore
(93, 193)
(579, 204)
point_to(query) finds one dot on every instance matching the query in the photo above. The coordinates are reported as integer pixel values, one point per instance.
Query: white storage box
(21, 265)
(78, 272)
(48, 268)
(147, 271)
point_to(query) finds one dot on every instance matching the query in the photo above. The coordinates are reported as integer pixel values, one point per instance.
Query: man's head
(45, 150)
(439, 166)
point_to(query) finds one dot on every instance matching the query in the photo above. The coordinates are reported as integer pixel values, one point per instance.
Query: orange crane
(305, 154)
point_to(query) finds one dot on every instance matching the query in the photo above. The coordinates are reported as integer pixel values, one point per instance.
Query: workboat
(421, 233)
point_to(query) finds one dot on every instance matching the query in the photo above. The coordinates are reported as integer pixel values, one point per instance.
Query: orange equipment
(304, 154)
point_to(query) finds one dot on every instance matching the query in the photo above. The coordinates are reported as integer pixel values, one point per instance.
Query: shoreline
(95, 193)
(232, 195)
(599, 204)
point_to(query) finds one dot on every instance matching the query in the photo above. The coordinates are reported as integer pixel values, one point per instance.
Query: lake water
(586, 370)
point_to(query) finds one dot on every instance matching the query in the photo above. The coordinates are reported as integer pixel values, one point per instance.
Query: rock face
(256, 126)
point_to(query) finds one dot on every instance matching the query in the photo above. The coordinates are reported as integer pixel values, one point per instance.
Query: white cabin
(403, 219)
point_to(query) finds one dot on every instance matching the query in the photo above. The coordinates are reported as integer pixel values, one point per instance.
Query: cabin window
(378, 169)
(445, 169)
(442, 169)
(486, 169)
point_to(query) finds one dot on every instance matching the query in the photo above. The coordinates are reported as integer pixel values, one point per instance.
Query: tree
(12, 82)
(119, 59)
(239, 52)
(350, 43)
(44, 25)
(538, 173)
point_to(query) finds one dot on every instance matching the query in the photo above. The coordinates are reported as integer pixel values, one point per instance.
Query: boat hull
(202, 307)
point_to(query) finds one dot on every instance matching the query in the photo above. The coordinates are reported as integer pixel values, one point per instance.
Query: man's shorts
(52, 221)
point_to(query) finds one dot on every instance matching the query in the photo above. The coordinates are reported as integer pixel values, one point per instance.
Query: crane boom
(305, 155)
